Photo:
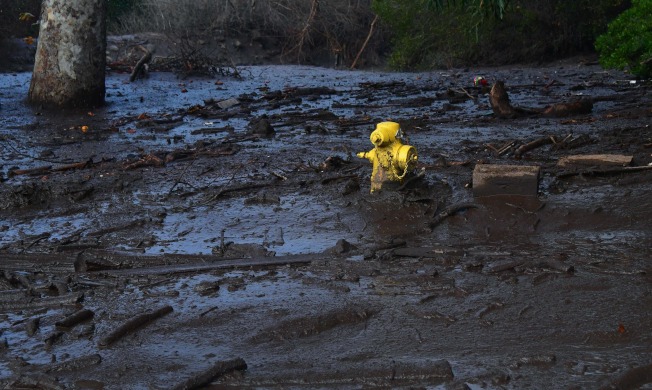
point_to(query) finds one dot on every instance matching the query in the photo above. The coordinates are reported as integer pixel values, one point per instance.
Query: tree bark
(69, 68)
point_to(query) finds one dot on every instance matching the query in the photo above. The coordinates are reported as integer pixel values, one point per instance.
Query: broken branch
(451, 210)
(133, 324)
(214, 372)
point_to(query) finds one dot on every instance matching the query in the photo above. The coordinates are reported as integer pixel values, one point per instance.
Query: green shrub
(435, 33)
(627, 44)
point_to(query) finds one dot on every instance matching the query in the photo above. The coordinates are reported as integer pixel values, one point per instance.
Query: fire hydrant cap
(385, 133)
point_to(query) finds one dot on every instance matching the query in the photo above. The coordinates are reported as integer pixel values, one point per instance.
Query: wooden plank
(595, 160)
(490, 179)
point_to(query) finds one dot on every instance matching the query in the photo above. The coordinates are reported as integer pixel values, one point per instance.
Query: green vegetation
(437, 33)
(628, 42)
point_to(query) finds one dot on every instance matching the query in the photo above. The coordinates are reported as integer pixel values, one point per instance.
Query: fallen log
(75, 318)
(133, 325)
(214, 263)
(71, 299)
(502, 108)
(217, 370)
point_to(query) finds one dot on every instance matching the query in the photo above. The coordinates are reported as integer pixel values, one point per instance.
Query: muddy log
(75, 318)
(133, 325)
(217, 370)
(502, 108)
(71, 299)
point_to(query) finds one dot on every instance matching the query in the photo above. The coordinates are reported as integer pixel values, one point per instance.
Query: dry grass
(300, 28)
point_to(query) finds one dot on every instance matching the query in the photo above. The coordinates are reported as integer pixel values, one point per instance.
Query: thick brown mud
(221, 233)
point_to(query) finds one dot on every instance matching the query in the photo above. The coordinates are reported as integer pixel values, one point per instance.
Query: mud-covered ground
(195, 227)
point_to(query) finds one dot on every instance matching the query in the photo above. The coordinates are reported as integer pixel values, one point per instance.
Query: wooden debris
(77, 364)
(32, 326)
(30, 172)
(36, 381)
(147, 161)
(502, 108)
(215, 371)
(451, 210)
(70, 299)
(212, 263)
(533, 145)
(491, 179)
(132, 325)
(604, 172)
(364, 44)
(501, 266)
(579, 107)
(141, 66)
(595, 160)
(75, 318)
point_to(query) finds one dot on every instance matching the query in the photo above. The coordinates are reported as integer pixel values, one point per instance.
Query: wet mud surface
(220, 233)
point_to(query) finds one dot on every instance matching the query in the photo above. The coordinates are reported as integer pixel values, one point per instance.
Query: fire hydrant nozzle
(391, 159)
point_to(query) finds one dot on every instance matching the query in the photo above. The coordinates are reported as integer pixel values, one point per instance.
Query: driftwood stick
(30, 171)
(533, 145)
(140, 65)
(216, 371)
(451, 210)
(133, 324)
(75, 318)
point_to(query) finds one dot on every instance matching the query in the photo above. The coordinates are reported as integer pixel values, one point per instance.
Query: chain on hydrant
(391, 159)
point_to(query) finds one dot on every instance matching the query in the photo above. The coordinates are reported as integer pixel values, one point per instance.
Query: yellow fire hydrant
(391, 159)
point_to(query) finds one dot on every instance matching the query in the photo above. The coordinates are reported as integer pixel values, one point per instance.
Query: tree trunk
(69, 68)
